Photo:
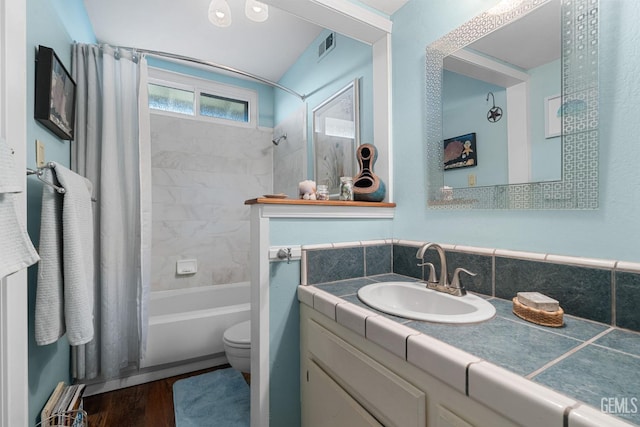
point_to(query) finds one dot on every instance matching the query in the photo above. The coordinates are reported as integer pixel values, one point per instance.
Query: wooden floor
(145, 405)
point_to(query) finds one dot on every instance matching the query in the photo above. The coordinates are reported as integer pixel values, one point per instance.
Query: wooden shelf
(301, 202)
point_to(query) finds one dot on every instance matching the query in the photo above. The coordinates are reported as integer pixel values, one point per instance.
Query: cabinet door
(329, 405)
(391, 399)
(446, 418)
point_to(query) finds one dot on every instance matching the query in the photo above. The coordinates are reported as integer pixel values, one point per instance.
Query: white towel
(64, 298)
(16, 250)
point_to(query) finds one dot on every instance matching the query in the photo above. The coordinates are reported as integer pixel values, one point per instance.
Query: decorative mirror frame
(578, 188)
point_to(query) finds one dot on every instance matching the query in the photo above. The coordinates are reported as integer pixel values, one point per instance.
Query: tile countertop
(584, 360)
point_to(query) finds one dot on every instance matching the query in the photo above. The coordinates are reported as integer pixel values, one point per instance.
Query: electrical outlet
(471, 178)
(40, 154)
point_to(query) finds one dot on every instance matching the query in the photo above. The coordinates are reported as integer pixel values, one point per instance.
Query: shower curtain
(112, 149)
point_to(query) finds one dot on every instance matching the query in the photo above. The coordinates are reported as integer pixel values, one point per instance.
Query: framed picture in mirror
(55, 94)
(552, 116)
(336, 135)
(460, 152)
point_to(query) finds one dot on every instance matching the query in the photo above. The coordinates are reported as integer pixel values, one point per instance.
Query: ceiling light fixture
(256, 11)
(220, 13)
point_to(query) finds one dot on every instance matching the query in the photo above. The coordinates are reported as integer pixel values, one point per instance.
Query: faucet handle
(432, 271)
(455, 283)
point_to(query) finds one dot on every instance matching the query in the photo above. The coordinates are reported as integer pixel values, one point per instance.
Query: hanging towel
(16, 250)
(64, 298)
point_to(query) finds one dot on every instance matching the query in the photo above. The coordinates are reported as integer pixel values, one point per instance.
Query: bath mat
(218, 398)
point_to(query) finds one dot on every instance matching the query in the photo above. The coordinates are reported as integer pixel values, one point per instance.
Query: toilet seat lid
(239, 334)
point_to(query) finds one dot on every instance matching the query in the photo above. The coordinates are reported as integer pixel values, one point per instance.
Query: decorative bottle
(346, 188)
(322, 193)
(367, 186)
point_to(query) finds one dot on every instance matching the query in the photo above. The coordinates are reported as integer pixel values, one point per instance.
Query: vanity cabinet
(349, 381)
(333, 406)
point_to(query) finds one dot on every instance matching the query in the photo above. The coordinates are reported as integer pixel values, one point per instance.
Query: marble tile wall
(606, 291)
(290, 156)
(202, 173)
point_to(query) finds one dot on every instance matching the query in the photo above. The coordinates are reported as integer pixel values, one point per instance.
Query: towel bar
(40, 172)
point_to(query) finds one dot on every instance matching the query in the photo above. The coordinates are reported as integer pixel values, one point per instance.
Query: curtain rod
(214, 65)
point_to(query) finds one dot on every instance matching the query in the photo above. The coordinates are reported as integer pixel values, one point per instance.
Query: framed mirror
(336, 135)
(521, 164)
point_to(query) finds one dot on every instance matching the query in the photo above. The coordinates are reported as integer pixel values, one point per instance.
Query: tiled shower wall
(606, 291)
(290, 155)
(202, 174)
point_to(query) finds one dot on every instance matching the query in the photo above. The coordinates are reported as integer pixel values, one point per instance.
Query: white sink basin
(415, 301)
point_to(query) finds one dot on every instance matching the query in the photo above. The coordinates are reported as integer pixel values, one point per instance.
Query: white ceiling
(265, 49)
(529, 42)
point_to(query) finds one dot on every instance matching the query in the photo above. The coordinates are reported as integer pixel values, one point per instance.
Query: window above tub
(185, 96)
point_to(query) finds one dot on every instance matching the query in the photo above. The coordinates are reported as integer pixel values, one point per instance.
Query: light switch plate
(40, 154)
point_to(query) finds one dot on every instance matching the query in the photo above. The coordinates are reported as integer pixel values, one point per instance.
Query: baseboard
(155, 373)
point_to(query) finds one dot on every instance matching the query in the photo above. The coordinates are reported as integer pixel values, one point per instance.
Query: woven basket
(539, 317)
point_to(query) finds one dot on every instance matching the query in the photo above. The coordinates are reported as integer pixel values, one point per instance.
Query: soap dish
(553, 319)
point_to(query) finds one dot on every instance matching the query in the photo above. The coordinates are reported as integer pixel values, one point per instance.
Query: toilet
(237, 346)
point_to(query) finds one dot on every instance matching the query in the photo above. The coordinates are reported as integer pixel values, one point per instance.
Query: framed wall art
(460, 152)
(55, 94)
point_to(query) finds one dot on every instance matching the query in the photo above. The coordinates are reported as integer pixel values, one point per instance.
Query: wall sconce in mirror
(55, 94)
(495, 113)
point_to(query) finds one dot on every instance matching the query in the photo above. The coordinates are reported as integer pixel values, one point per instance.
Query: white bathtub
(188, 323)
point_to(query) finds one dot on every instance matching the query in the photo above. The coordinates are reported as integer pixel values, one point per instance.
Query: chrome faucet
(454, 288)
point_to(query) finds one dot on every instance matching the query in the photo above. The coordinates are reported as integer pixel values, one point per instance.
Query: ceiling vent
(326, 45)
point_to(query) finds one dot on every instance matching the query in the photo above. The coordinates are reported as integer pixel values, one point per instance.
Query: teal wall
(320, 79)
(54, 24)
(265, 92)
(608, 232)
(284, 350)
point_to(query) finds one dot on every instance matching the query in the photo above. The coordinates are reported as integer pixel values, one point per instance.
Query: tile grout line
(567, 354)
(542, 328)
(615, 350)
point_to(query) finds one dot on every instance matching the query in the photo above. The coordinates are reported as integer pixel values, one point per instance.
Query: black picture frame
(55, 94)
(460, 152)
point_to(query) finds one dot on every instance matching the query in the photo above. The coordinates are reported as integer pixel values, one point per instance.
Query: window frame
(200, 86)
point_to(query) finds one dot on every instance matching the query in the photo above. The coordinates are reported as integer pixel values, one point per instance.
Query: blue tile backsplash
(482, 265)
(583, 292)
(628, 300)
(405, 262)
(329, 265)
(378, 259)
(588, 292)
